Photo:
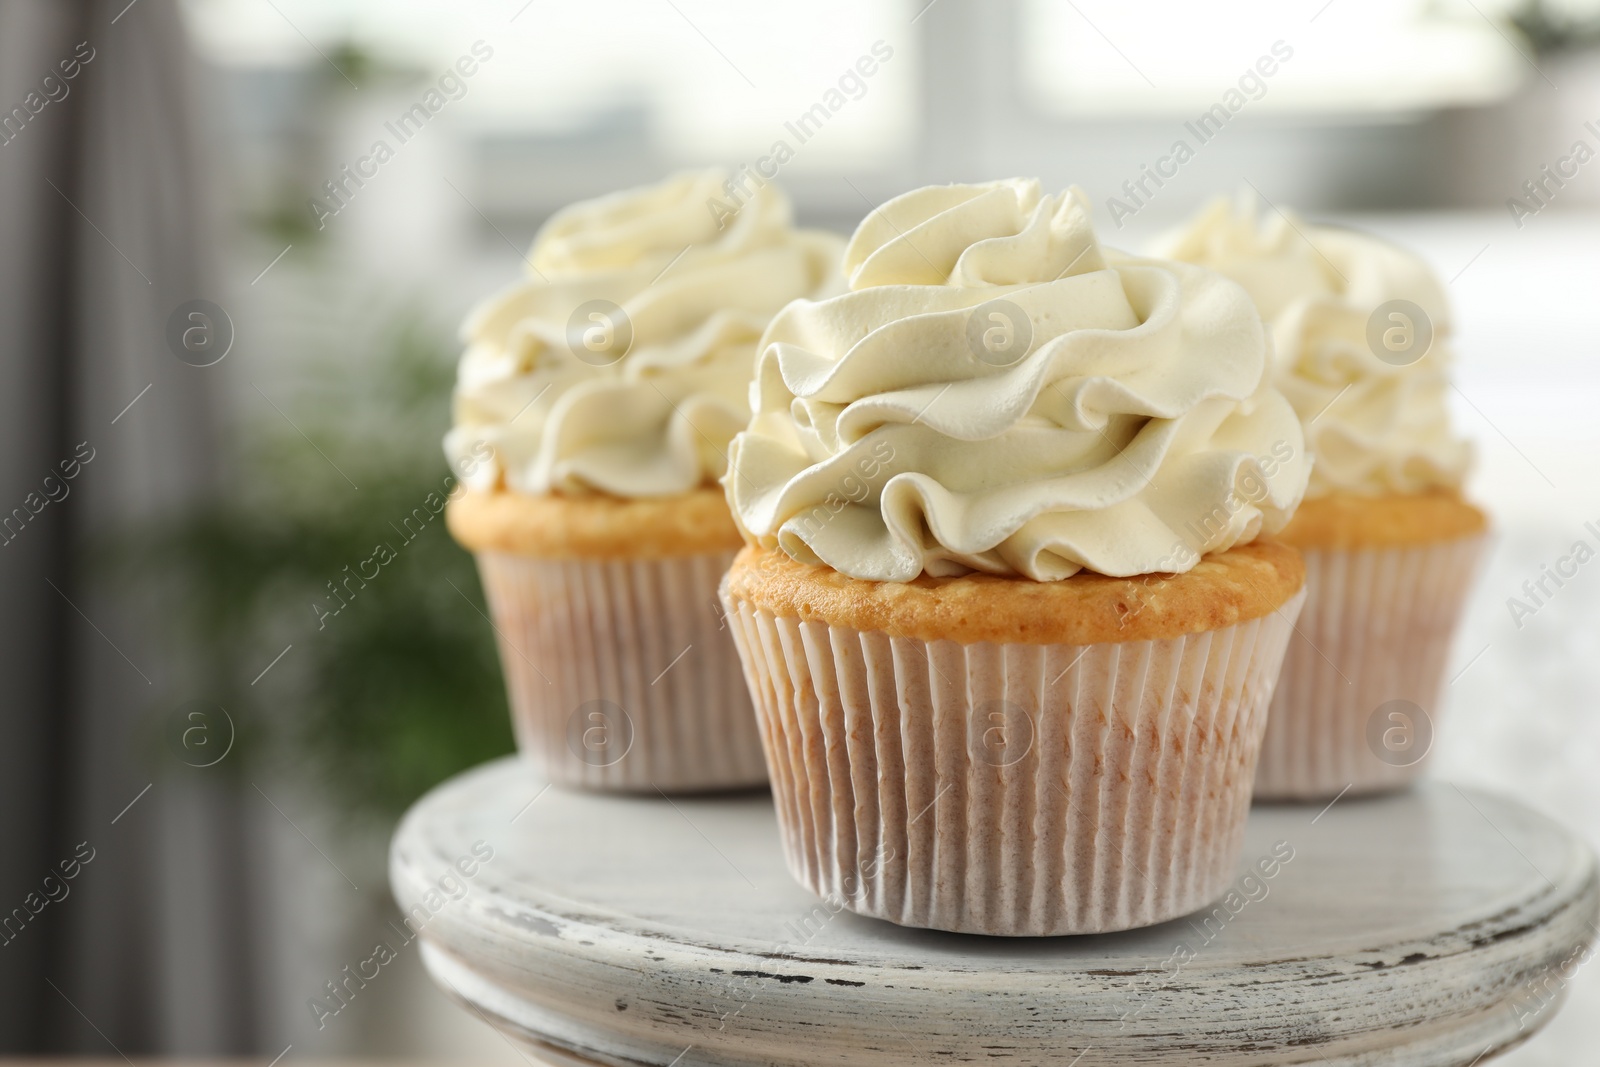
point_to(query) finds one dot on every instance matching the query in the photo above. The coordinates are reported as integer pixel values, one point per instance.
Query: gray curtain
(105, 217)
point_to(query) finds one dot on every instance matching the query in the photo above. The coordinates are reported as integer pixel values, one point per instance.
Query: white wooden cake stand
(1436, 927)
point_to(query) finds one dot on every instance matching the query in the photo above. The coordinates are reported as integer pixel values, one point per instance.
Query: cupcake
(1361, 330)
(1009, 679)
(593, 409)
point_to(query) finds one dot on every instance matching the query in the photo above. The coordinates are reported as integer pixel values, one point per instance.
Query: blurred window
(706, 79)
(1097, 57)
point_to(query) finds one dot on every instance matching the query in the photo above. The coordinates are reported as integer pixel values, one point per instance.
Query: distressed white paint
(1408, 930)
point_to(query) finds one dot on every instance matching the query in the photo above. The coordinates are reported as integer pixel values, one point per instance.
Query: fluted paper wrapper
(1008, 788)
(620, 672)
(1374, 638)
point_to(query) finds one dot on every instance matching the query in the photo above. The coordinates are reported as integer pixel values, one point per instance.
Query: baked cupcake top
(998, 393)
(1361, 330)
(621, 363)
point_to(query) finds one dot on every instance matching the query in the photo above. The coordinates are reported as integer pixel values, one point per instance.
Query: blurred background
(184, 706)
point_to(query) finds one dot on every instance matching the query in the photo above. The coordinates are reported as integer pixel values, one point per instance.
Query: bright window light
(712, 78)
(1098, 57)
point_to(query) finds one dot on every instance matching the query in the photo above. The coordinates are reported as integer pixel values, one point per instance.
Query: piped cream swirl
(1374, 425)
(1129, 431)
(551, 398)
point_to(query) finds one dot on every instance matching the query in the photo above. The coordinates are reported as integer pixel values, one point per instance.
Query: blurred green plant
(393, 682)
(1557, 27)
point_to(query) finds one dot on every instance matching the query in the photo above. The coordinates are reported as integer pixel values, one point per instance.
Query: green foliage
(1554, 28)
(393, 682)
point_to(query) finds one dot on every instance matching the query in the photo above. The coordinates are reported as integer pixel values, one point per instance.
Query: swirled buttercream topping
(1361, 330)
(621, 364)
(999, 393)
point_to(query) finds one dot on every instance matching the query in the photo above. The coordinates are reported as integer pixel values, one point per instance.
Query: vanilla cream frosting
(1374, 425)
(1121, 421)
(621, 363)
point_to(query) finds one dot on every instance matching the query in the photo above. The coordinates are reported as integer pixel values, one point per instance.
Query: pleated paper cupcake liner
(1358, 701)
(1011, 789)
(620, 672)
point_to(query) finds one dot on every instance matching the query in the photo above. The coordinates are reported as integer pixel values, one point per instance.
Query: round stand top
(1434, 927)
